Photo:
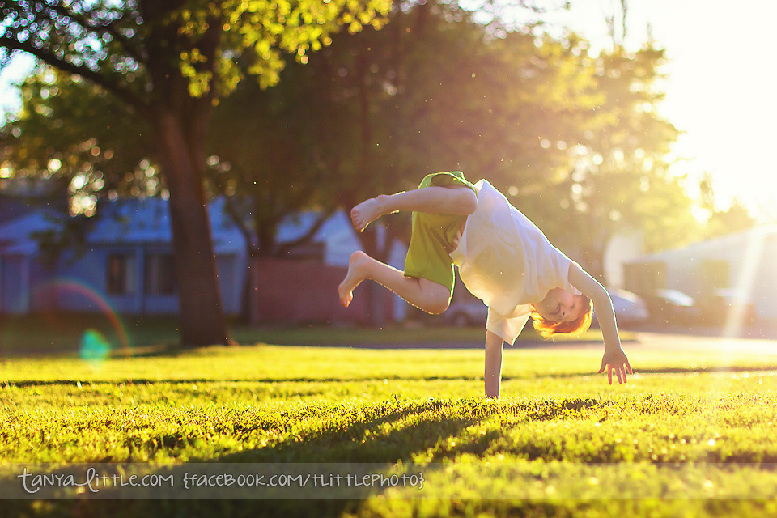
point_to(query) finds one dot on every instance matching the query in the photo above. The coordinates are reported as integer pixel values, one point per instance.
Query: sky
(721, 79)
(13, 73)
(720, 86)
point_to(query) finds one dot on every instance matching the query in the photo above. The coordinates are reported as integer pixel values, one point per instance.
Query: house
(125, 262)
(125, 265)
(742, 263)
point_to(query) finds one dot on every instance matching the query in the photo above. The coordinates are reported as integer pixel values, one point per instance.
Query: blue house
(125, 263)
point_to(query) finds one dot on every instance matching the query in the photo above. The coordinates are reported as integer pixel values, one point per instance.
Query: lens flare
(50, 292)
(94, 348)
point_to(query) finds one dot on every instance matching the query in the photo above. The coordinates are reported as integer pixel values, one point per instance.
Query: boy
(503, 259)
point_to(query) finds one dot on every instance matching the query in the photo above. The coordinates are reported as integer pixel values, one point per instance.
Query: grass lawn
(690, 435)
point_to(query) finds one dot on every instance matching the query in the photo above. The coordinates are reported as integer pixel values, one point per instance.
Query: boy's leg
(493, 373)
(459, 200)
(422, 293)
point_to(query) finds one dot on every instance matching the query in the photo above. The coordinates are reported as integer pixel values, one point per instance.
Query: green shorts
(433, 235)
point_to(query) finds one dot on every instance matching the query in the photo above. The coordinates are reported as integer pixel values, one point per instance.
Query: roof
(134, 221)
(712, 247)
(127, 221)
(18, 236)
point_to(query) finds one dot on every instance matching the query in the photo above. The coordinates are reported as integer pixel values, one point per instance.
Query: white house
(745, 263)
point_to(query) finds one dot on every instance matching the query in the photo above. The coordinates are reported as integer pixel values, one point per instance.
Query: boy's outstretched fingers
(619, 363)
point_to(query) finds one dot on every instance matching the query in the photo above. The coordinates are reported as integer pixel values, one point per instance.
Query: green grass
(560, 440)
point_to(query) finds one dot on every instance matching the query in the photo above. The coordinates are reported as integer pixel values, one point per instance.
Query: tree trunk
(201, 318)
(376, 295)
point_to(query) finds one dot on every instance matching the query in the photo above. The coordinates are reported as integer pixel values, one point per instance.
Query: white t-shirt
(507, 262)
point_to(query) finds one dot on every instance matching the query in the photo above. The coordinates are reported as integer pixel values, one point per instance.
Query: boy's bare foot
(366, 212)
(353, 278)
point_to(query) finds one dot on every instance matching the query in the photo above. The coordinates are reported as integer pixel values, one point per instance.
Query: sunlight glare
(744, 286)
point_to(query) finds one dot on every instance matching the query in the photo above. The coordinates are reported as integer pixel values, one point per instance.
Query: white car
(464, 314)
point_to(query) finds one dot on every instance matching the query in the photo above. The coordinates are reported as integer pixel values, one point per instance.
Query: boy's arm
(493, 373)
(614, 357)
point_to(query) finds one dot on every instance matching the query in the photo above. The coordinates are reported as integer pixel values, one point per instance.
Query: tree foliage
(574, 139)
(112, 43)
(720, 222)
(432, 90)
(74, 131)
(622, 180)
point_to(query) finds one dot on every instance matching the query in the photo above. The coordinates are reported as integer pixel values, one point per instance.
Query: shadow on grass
(380, 436)
(418, 427)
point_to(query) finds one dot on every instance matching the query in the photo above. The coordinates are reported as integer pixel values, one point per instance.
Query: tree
(621, 178)
(573, 139)
(376, 110)
(169, 62)
(735, 218)
(74, 132)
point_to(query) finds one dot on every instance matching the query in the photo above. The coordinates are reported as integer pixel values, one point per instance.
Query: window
(160, 275)
(645, 278)
(121, 274)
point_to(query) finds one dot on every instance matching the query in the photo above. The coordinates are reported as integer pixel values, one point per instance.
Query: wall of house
(13, 277)
(90, 271)
(79, 283)
(131, 235)
(757, 274)
(620, 249)
(232, 280)
(743, 263)
(746, 267)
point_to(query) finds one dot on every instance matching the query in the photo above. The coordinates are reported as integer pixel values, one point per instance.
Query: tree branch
(125, 94)
(238, 219)
(310, 234)
(100, 29)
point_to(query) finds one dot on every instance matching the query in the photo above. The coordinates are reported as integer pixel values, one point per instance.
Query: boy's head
(562, 312)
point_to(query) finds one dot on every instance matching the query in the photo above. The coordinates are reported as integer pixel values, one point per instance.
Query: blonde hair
(547, 328)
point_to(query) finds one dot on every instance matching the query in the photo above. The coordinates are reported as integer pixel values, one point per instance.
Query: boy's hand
(615, 359)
